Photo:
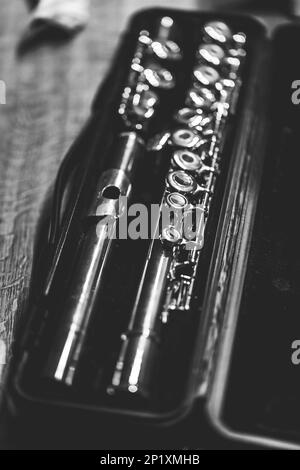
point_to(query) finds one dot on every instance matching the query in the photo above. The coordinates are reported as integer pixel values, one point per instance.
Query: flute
(169, 274)
(146, 86)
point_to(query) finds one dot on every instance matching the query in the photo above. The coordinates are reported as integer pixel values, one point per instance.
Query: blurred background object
(69, 15)
(53, 19)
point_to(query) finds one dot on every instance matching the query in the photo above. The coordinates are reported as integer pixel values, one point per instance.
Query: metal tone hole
(206, 75)
(218, 31)
(185, 135)
(182, 181)
(171, 234)
(187, 160)
(177, 201)
(185, 138)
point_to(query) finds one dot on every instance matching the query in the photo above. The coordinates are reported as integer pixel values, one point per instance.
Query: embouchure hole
(111, 192)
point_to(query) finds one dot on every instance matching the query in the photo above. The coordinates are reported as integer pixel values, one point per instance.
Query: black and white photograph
(149, 232)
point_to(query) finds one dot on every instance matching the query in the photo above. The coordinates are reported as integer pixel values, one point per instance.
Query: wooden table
(48, 95)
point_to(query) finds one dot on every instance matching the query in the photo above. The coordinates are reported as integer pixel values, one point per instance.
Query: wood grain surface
(49, 89)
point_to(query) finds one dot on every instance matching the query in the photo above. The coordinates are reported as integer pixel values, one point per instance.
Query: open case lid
(254, 392)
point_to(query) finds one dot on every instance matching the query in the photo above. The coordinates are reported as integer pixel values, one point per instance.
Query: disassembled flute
(169, 274)
(142, 95)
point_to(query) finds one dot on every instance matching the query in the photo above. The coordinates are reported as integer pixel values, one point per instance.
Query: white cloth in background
(69, 15)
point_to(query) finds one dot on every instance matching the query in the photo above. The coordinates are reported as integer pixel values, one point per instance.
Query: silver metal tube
(140, 344)
(94, 253)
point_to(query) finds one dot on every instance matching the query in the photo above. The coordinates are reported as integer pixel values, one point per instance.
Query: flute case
(227, 379)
